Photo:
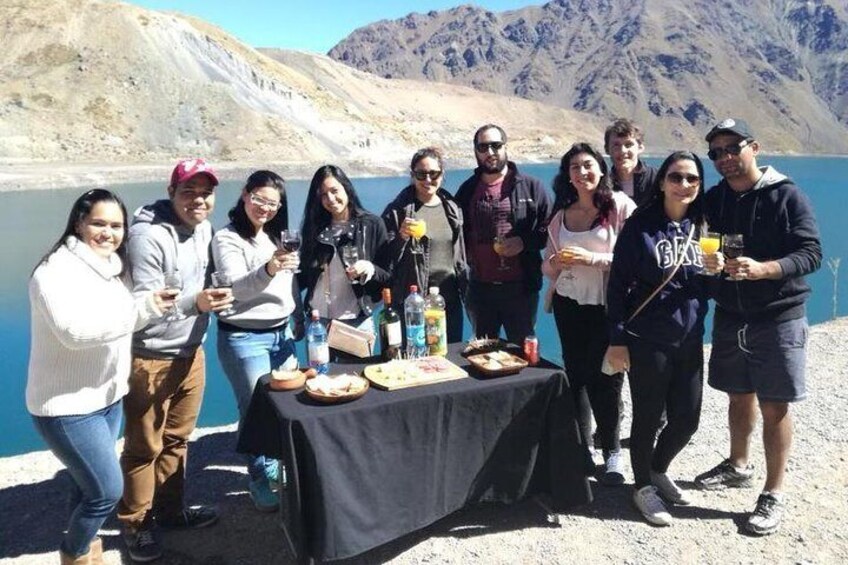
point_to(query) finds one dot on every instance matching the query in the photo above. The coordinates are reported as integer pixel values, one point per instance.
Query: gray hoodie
(159, 243)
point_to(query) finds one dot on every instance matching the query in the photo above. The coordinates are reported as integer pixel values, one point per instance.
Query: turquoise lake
(31, 221)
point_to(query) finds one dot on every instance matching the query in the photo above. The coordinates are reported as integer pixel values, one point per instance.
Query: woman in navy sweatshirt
(662, 345)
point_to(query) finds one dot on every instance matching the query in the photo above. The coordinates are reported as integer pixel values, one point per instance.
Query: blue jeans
(86, 446)
(246, 356)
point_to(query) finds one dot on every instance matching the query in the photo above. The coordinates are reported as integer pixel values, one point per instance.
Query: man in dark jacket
(760, 326)
(624, 143)
(506, 216)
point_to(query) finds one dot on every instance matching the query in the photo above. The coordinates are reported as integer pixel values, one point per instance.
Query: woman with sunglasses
(254, 336)
(657, 335)
(341, 287)
(588, 216)
(438, 258)
(83, 317)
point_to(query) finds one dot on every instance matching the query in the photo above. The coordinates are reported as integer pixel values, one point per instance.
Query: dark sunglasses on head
(678, 178)
(493, 145)
(716, 153)
(423, 175)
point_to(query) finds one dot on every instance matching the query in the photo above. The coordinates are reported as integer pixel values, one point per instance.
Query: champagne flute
(174, 283)
(290, 243)
(710, 243)
(350, 255)
(221, 279)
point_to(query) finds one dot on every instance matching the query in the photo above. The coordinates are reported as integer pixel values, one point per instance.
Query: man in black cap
(760, 325)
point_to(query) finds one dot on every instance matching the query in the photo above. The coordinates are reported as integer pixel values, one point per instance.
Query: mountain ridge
(676, 68)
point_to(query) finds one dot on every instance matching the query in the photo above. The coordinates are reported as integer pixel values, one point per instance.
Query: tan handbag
(351, 340)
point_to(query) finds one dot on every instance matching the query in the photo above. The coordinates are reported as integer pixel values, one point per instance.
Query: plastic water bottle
(435, 322)
(318, 348)
(416, 340)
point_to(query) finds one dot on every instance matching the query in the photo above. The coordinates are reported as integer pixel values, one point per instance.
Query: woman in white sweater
(83, 317)
(254, 337)
(587, 218)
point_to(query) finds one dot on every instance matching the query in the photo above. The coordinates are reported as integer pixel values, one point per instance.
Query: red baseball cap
(188, 168)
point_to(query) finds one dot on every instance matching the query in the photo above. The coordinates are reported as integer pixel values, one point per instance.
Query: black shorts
(766, 358)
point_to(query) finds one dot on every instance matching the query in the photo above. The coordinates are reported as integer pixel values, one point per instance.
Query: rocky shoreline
(609, 530)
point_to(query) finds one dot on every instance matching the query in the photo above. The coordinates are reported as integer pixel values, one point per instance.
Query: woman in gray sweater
(254, 337)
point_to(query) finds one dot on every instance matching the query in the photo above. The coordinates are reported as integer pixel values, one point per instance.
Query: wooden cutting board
(395, 375)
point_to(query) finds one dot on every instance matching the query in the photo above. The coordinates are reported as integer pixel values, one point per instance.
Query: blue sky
(304, 24)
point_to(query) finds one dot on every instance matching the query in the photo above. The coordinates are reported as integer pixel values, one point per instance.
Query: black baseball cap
(731, 125)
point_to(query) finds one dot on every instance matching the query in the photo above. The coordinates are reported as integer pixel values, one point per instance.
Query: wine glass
(290, 243)
(174, 283)
(710, 243)
(350, 255)
(417, 230)
(733, 246)
(221, 279)
(498, 246)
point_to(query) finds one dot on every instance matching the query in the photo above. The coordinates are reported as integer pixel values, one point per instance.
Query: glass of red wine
(290, 242)
(732, 245)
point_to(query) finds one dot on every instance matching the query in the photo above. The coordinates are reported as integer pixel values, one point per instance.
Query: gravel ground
(608, 530)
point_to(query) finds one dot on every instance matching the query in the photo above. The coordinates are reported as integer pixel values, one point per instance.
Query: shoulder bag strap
(669, 277)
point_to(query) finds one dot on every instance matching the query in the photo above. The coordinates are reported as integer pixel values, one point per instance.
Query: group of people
(120, 308)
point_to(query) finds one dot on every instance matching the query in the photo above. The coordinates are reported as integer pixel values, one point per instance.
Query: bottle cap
(413, 288)
(434, 291)
(315, 314)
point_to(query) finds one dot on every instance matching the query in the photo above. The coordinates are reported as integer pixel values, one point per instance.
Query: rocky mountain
(674, 66)
(103, 81)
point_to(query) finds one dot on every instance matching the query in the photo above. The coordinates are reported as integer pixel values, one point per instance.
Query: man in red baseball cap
(168, 247)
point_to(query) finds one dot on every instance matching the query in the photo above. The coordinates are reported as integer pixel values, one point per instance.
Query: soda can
(531, 349)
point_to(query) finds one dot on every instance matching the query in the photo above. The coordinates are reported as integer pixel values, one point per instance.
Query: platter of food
(497, 363)
(290, 380)
(337, 388)
(404, 373)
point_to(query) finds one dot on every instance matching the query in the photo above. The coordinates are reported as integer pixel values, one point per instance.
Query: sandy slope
(609, 530)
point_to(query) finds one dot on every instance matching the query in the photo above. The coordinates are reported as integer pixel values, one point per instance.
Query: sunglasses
(678, 178)
(262, 203)
(716, 153)
(423, 175)
(493, 145)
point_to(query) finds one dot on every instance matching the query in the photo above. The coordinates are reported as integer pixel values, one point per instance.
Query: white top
(82, 319)
(584, 283)
(261, 301)
(333, 296)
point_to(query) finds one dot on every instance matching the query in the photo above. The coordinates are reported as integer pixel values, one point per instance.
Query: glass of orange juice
(417, 229)
(710, 243)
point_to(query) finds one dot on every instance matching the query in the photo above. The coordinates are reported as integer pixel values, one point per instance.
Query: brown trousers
(160, 412)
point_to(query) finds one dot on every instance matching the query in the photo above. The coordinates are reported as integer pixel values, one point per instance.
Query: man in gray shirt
(168, 237)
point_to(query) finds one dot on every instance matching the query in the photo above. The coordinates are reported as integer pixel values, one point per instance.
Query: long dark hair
(695, 211)
(274, 226)
(564, 192)
(79, 212)
(315, 217)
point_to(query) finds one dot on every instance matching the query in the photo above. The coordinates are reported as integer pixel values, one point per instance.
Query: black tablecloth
(372, 470)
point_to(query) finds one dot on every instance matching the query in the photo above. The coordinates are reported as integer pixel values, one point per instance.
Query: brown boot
(95, 550)
(81, 560)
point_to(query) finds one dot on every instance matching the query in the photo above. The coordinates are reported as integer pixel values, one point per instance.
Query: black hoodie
(777, 223)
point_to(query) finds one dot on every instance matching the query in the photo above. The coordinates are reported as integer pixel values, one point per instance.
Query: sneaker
(276, 475)
(262, 496)
(669, 490)
(652, 506)
(766, 517)
(189, 519)
(613, 474)
(725, 475)
(142, 546)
